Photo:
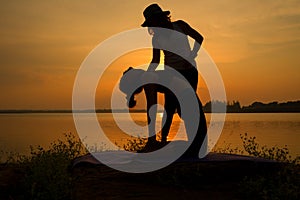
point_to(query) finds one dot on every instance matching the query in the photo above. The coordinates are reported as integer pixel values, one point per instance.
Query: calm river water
(18, 131)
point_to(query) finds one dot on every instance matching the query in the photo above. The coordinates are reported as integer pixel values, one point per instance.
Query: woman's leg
(194, 149)
(192, 76)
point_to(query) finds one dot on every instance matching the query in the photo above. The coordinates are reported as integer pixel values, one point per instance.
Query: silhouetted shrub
(282, 185)
(47, 174)
(135, 144)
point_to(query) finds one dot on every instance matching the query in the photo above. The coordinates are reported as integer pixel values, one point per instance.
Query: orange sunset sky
(255, 44)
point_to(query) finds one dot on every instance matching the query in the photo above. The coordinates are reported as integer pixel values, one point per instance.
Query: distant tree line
(256, 107)
(219, 106)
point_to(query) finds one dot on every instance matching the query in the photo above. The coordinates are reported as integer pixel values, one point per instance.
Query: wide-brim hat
(152, 10)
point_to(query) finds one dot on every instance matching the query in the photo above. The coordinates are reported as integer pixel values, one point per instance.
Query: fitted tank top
(175, 46)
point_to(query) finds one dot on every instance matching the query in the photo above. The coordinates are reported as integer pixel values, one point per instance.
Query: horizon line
(118, 110)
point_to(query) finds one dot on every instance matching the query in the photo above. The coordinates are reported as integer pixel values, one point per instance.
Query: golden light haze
(255, 44)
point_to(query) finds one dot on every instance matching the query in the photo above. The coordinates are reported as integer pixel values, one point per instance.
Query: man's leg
(170, 108)
(151, 98)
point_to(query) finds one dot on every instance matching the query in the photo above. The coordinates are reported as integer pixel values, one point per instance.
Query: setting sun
(254, 44)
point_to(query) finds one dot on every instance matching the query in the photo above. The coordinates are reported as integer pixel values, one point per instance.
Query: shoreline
(54, 174)
(222, 177)
(117, 111)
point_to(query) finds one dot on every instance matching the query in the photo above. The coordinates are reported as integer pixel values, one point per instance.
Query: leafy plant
(227, 149)
(47, 174)
(135, 144)
(253, 148)
(284, 184)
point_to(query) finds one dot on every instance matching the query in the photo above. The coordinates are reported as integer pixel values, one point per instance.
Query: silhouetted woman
(184, 64)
